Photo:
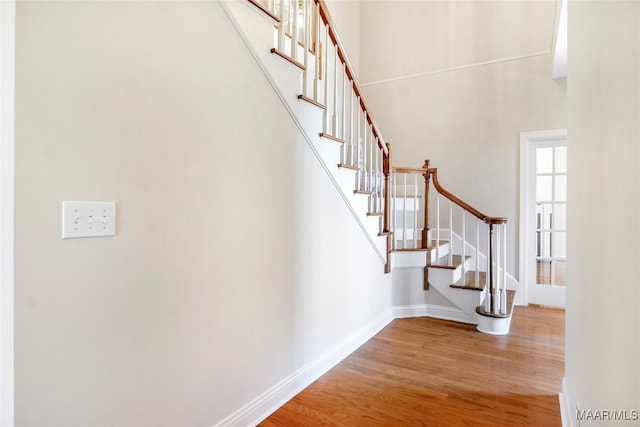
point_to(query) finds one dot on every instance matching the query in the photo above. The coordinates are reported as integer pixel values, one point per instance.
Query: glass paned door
(551, 215)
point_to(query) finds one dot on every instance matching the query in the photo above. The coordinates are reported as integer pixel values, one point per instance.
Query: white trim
(459, 67)
(407, 311)
(565, 407)
(430, 310)
(526, 194)
(268, 402)
(449, 313)
(7, 114)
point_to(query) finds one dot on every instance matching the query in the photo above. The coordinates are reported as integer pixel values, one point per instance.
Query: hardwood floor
(430, 372)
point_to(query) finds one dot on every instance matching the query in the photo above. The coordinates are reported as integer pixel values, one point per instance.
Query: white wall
(456, 82)
(235, 261)
(603, 325)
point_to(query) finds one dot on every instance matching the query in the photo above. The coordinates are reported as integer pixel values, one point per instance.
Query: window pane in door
(561, 188)
(545, 244)
(544, 216)
(561, 159)
(560, 216)
(560, 244)
(543, 189)
(544, 160)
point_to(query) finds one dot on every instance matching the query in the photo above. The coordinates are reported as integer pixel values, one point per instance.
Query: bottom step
(496, 324)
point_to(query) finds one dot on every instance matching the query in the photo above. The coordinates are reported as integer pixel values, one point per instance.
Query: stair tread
(368, 193)
(510, 297)
(375, 213)
(470, 281)
(346, 166)
(331, 137)
(287, 58)
(312, 102)
(443, 262)
(264, 10)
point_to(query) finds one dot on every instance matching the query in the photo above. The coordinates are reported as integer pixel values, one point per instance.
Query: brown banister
(403, 169)
(464, 205)
(287, 58)
(386, 222)
(265, 10)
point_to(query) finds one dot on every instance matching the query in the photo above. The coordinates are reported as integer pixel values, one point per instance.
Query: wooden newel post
(386, 228)
(425, 228)
(386, 170)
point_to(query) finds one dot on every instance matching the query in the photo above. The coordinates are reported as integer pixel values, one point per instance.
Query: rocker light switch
(88, 219)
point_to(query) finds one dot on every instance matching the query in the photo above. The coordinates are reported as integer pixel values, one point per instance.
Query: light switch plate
(88, 219)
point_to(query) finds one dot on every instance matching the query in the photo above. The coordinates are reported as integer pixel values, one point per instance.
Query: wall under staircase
(287, 79)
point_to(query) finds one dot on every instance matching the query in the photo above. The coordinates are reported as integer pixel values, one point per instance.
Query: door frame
(528, 142)
(7, 168)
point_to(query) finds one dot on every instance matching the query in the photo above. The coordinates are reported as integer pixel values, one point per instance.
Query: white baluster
(358, 153)
(306, 37)
(294, 30)
(316, 49)
(351, 110)
(503, 303)
(365, 173)
(344, 101)
(325, 75)
(464, 249)
(281, 30)
(415, 210)
(334, 119)
(477, 278)
(394, 196)
(437, 228)
(371, 150)
(450, 232)
(377, 175)
(404, 211)
(497, 242)
(489, 282)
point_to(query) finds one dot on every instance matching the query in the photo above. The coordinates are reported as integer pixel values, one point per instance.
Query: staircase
(295, 44)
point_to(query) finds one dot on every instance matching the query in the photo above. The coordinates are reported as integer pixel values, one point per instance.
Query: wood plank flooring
(430, 372)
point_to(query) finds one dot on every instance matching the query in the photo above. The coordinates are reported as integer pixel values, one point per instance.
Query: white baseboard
(268, 402)
(401, 312)
(435, 311)
(565, 407)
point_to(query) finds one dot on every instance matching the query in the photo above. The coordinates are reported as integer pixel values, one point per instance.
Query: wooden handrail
(402, 169)
(464, 205)
(265, 10)
(326, 17)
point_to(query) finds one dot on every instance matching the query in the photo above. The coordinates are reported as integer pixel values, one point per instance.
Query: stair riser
(466, 300)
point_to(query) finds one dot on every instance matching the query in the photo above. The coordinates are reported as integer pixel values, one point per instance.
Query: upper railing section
(306, 35)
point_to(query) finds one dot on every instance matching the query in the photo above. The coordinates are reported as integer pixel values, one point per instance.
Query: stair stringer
(256, 32)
